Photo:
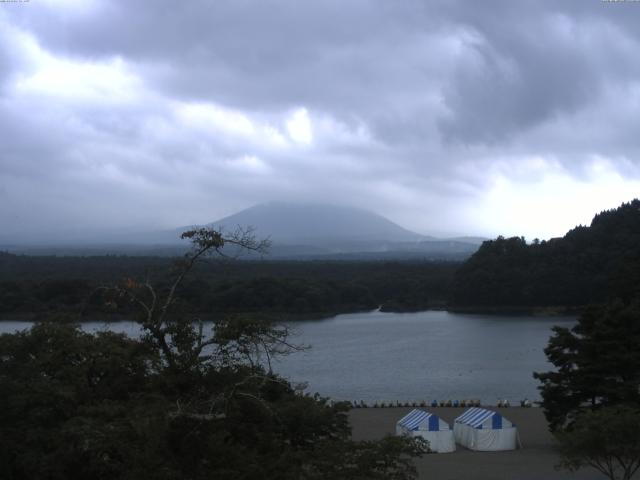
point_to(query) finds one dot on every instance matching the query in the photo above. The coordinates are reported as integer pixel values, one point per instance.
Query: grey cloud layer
(414, 105)
(523, 61)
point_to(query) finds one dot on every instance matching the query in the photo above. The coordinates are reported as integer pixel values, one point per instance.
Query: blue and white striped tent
(485, 430)
(418, 423)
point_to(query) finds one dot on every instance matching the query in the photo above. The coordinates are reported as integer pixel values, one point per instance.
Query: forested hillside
(45, 285)
(590, 264)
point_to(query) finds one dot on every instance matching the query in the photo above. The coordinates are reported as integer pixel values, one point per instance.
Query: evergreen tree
(605, 439)
(597, 363)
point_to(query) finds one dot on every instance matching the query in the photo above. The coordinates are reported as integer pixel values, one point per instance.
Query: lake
(378, 356)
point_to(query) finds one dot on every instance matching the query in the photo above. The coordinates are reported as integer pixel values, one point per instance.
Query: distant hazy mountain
(313, 231)
(319, 225)
(298, 231)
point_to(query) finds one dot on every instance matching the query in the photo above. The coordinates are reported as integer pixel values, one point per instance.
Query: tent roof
(415, 417)
(475, 417)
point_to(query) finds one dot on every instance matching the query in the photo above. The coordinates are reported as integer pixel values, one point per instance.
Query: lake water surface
(376, 356)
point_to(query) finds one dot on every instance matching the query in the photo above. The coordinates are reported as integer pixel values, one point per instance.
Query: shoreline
(554, 311)
(547, 311)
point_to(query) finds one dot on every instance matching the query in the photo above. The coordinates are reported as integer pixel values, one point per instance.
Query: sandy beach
(535, 461)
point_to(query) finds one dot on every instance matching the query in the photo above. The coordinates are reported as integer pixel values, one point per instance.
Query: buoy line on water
(526, 403)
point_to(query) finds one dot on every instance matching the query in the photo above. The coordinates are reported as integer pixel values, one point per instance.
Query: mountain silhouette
(315, 224)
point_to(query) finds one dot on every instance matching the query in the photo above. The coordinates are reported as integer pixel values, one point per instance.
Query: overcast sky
(493, 117)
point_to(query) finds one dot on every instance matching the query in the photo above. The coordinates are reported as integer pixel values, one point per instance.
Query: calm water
(377, 356)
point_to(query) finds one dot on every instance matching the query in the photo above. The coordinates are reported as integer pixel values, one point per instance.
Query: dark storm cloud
(533, 62)
(523, 62)
(520, 89)
(425, 111)
(259, 55)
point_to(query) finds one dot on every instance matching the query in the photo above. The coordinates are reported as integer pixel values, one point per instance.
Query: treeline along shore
(590, 264)
(40, 286)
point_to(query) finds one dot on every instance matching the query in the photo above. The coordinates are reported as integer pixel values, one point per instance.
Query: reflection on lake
(409, 356)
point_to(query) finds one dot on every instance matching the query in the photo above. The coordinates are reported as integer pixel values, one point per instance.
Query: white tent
(485, 430)
(418, 423)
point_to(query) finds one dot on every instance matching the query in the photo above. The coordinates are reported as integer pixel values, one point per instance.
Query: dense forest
(46, 285)
(590, 264)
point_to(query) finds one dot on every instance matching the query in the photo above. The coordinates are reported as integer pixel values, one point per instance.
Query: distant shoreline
(551, 311)
(548, 311)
